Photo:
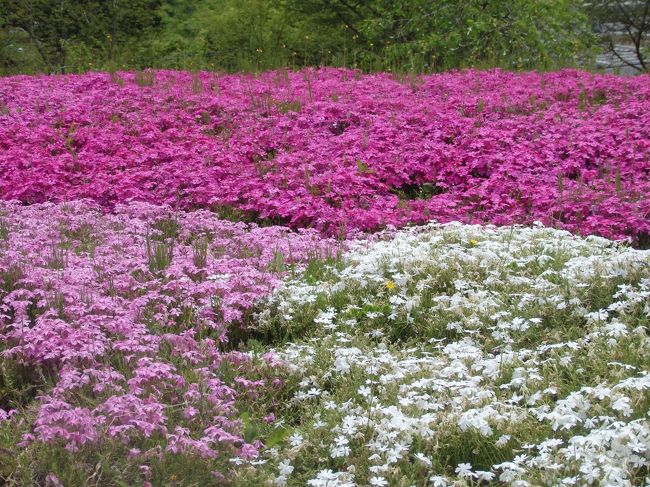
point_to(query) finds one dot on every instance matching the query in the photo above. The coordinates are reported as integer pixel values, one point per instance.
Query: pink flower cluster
(137, 349)
(334, 148)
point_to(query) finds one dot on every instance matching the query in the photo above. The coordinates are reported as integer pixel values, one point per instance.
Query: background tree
(111, 27)
(443, 34)
(17, 54)
(622, 22)
(48, 25)
(69, 34)
(235, 35)
(226, 34)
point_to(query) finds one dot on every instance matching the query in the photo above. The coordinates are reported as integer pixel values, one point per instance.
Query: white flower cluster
(466, 355)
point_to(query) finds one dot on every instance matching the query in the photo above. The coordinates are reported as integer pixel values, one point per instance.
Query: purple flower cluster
(335, 149)
(130, 345)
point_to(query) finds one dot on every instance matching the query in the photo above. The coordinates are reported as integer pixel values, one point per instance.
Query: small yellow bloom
(473, 242)
(390, 285)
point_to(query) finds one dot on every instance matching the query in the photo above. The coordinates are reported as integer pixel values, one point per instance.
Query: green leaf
(278, 436)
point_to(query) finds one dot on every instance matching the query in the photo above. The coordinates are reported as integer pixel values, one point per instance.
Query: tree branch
(613, 50)
(625, 13)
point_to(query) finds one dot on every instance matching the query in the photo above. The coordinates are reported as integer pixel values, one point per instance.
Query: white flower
(328, 478)
(438, 481)
(490, 376)
(482, 475)
(550, 444)
(464, 470)
(285, 468)
(296, 439)
(326, 318)
(340, 448)
(622, 405)
(502, 441)
(378, 481)
(365, 391)
(423, 459)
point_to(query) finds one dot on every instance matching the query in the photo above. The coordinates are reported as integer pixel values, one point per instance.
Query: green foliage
(160, 252)
(418, 35)
(4, 229)
(9, 277)
(17, 54)
(251, 35)
(71, 35)
(224, 34)
(277, 264)
(82, 239)
(200, 250)
(145, 78)
(423, 191)
(58, 256)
